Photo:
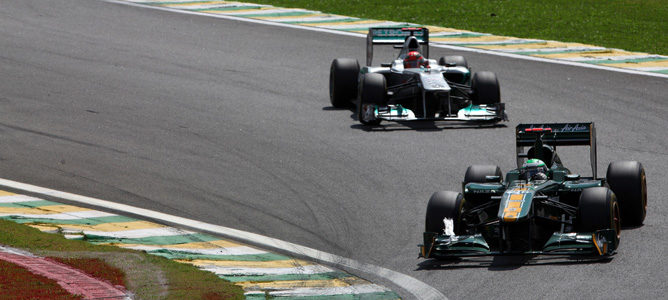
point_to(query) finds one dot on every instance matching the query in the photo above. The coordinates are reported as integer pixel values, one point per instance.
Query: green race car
(540, 207)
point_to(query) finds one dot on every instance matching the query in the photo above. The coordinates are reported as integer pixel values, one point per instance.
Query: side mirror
(493, 178)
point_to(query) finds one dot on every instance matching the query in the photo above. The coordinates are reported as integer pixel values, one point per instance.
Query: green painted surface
(190, 256)
(157, 240)
(29, 204)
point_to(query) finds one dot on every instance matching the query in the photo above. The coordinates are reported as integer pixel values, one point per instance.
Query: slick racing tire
(343, 82)
(627, 180)
(453, 61)
(444, 204)
(485, 88)
(477, 173)
(373, 93)
(598, 209)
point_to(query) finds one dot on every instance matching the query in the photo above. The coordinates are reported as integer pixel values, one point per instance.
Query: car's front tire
(343, 82)
(372, 94)
(598, 209)
(627, 180)
(485, 87)
(444, 204)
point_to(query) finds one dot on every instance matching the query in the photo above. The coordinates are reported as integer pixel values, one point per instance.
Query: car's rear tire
(627, 180)
(444, 204)
(478, 173)
(373, 92)
(343, 82)
(598, 209)
(485, 87)
(453, 61)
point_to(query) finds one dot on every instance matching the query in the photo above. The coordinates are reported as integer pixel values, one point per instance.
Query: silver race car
(414, 87)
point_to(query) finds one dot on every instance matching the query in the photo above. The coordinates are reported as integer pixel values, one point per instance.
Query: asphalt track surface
(229, 123)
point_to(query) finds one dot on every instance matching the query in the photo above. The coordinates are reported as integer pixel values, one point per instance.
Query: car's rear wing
(557, 134)
(395, 36)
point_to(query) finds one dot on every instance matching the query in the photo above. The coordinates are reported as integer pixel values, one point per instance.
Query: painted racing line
(576, 54)
(259, 272)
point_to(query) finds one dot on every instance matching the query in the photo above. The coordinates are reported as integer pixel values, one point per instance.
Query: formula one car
(414, 87)
(541, 207)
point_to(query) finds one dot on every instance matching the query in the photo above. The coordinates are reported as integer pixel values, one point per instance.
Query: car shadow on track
(506, 263)
(424, 126)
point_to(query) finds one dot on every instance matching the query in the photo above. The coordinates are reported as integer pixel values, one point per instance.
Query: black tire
(444, 204)
(477, 173)
(343, 82)
(485, 87)
(627, 180)
(374, 91)
(453, 61)
(598, 209)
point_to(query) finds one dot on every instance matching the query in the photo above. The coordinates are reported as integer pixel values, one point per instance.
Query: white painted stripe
(73, 236)
(451, 33)
(453, 47)
(612, 58)
(258, 12)
(310, 19)
(559, 49)
(16, 251)
(18, 198)
(199, 6)
(500, 42)
(139, 233)
(65, 216)
(329, 291)
(362, 25)
(417, 288)
(243, 250)
(236, 271)
(650, 69)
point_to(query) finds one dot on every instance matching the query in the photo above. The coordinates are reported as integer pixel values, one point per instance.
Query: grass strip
(637, 25)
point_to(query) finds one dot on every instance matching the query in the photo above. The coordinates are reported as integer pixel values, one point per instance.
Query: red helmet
(414, 60)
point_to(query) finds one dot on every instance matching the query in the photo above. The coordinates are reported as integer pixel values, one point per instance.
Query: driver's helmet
(414, 60)
(534, 169)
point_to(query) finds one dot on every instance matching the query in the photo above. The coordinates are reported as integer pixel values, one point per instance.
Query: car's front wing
(601, 242)
(472, 113)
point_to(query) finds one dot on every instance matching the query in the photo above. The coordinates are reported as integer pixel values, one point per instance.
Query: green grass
(635, 25)
(147, 276)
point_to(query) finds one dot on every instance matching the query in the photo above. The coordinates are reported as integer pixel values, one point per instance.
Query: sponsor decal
(392, 32)
(575, 128)
(514, 205)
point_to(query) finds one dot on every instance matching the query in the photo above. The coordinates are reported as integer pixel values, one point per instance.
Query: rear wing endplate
(557, 134)
(395, 36)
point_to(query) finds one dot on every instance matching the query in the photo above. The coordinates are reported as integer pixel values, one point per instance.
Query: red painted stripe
(72, 280)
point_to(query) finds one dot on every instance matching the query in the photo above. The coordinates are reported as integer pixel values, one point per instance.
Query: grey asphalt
(229, 123)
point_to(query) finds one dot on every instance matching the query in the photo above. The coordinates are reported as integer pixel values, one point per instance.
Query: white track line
(482, 51)
(415, 287)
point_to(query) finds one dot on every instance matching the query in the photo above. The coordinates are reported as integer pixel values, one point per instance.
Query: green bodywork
(522, 216)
